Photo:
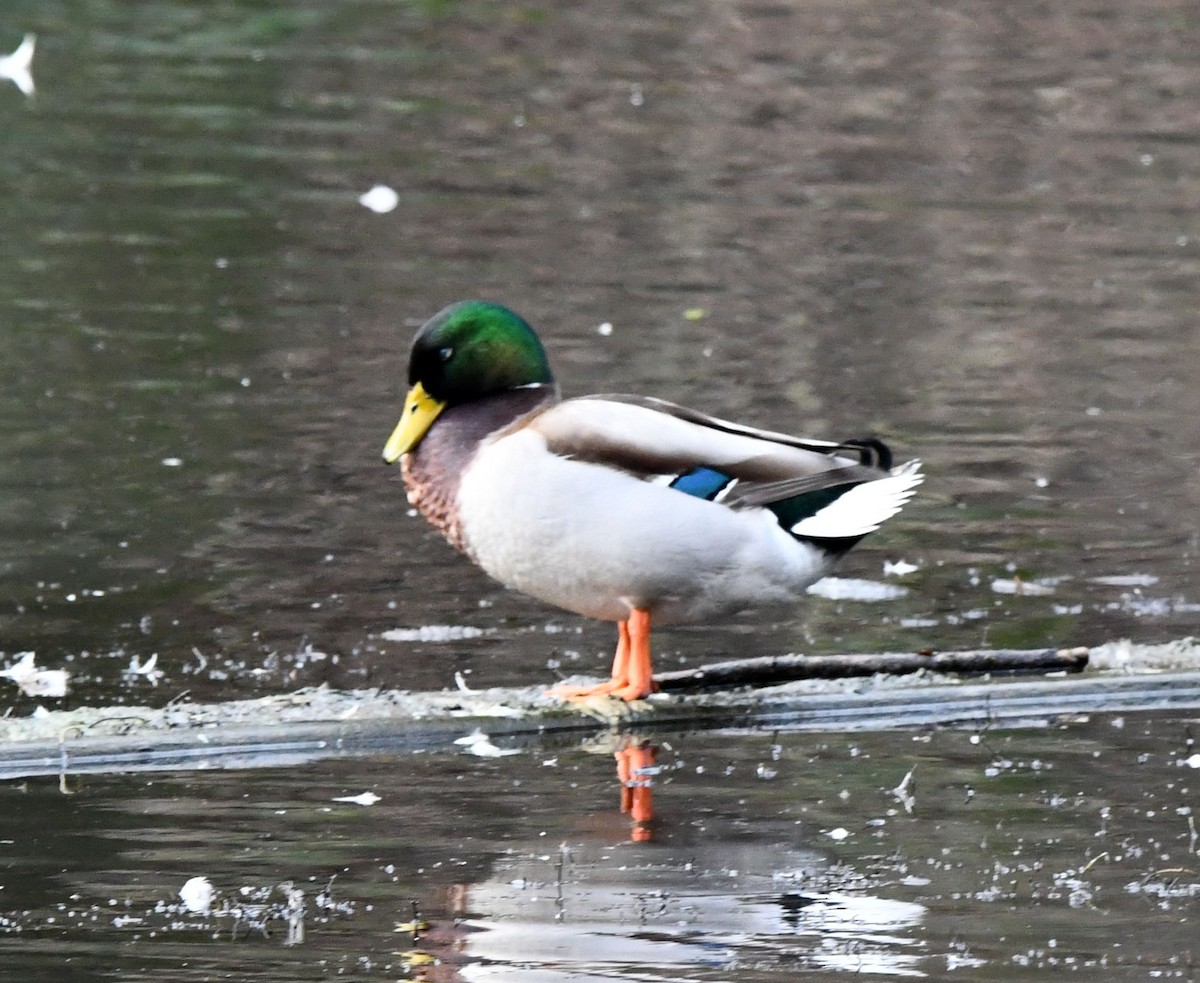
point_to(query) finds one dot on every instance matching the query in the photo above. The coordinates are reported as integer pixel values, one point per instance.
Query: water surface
(966, 228)
(966, 231)
(1000, 855)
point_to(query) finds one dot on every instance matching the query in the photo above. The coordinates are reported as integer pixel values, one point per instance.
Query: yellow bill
(420, 410)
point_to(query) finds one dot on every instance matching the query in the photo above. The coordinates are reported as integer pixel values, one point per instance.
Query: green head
(467, 351)
(473, 349)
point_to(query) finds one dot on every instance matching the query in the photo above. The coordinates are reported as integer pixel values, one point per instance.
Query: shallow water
(1000, 855)
(968, 229)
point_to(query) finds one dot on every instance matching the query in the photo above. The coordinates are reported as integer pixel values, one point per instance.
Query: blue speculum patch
(701, 483)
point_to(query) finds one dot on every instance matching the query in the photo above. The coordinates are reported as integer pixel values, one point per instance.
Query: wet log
(773, 670)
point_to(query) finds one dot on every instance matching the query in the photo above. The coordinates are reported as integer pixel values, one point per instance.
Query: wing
(653, 438)
(817, 489)
(866, 450)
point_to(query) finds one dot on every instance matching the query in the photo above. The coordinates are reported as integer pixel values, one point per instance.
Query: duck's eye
(445, 354)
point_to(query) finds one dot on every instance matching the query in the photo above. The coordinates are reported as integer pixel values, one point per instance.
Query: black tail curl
(872, 452)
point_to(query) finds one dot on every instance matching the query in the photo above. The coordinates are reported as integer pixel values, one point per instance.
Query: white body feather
(601, 541)
(625, 543)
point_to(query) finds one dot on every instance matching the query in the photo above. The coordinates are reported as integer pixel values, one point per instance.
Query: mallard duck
(624, 508)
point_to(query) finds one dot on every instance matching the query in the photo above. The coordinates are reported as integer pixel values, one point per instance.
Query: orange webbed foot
(576, 693)
(632, 678)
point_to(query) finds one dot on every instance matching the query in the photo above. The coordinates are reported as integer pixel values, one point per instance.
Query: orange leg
(638, 678)
(632, 677)
(635, 768)
(620, 667)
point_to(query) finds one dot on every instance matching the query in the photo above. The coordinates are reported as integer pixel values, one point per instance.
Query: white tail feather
(864, 508)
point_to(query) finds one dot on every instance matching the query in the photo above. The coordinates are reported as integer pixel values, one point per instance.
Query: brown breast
(432, 491)
(432, 471)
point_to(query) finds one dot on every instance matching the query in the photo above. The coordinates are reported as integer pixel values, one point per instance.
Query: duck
(623, 508)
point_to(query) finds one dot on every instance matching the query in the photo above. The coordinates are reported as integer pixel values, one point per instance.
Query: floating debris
(18, 67)
(432, 633)
(478, 743)
(36, 682)
(474, 737)
(1127, 580)
(904, 792)
(362, 799)
(197, 895)
(380, 199)
(774, 669)
(147, 669)
(1152, 607)
(1024, 588)
(850, 589)
(293, 912)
